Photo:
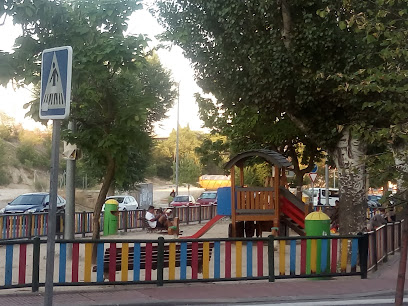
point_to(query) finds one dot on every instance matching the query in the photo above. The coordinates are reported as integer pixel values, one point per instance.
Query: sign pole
(313, 193)
(55, 100)
(52, 213)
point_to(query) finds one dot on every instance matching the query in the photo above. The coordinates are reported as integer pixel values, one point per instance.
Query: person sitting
(158, 220)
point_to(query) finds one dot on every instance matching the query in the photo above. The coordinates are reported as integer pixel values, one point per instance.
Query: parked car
(373, 201)
(32, 203)
(183, 200)
(126, 202)
(320, 196)
(207, 197)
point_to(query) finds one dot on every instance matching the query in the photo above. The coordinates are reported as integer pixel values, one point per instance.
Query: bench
(118, 266)
(146, 226)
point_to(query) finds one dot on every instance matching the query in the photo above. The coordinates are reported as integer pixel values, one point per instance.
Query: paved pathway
(382, 282)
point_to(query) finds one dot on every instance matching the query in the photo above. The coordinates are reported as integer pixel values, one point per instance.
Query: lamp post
(177, 138)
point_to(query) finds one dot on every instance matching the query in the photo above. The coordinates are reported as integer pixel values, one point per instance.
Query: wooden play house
(256, 207)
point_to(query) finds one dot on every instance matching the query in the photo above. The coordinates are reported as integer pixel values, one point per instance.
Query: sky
(12, 100)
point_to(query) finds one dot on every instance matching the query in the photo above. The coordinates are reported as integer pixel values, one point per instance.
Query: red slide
(206, 227)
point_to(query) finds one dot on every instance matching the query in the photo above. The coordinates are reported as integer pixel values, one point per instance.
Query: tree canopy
(303, 61)
(119, 88)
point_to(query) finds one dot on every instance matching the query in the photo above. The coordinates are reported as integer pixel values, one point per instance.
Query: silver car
(126, 202)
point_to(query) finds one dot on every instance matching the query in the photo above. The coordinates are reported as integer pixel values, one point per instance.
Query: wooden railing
(254, 200)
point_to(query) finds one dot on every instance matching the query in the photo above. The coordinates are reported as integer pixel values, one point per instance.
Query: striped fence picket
(217, 259)
(227, 259)
(185, 260)
(75, 262)
(293, 257)
(22, 264)
(9, 265)
(136, 261)
(62, 262)
(282, 244)
(249, 258)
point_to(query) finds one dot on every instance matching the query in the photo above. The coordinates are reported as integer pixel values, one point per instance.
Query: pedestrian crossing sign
(56, 71)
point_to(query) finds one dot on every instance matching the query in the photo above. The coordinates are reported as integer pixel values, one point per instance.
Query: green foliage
(4, 175)
(31, 158)
(255, 175)
(213, 153)
(9, 131)
(189, 171)
(119, 89)
(164, 155)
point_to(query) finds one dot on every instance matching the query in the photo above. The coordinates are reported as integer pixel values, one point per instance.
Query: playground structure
(270, 208)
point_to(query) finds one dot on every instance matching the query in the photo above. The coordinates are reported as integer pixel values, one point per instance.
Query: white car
(126, 202)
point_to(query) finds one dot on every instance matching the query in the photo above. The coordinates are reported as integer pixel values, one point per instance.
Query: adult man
(159, 220)
(377, 220)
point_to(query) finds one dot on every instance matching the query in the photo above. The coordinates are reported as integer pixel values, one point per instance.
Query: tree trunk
(348, 155)
(109, 175)
(400, 153)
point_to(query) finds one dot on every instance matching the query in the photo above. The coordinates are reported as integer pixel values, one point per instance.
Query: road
(162, 192)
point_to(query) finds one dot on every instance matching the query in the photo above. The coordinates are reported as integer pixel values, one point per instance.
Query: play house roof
(270, 156)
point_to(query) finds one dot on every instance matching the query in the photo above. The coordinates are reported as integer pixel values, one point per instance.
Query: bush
(5, 178)
(30, 158)
(41, 184)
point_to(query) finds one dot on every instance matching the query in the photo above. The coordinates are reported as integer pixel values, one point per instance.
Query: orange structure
(259, 207)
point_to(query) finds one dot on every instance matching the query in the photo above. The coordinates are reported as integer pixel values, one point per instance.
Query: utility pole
(177, 138)
(70, 197)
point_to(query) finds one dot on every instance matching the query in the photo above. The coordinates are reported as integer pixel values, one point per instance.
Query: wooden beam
(233, 214)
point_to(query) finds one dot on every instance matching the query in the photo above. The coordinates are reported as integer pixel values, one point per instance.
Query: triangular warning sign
(312, 176)
(54, 93)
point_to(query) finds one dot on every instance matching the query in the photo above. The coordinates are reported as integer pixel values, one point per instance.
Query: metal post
(326, 172)
(52, 214)
(29, 225)
(177, 138)
(83, 219)
(385, 241)
(313, 194)
(125, 220)
(160, 261)
(271, 258)
(69, 225)
(35, 278)
(363, 251)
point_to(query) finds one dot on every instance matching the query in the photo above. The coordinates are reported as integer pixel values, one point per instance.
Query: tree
(292, 58)
(213, 153)
(190, 167)
(119, 90)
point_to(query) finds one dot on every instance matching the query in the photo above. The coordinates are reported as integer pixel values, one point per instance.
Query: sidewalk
(380, 282)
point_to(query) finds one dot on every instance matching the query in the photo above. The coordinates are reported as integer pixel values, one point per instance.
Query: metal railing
(160, 261)
(17, 226)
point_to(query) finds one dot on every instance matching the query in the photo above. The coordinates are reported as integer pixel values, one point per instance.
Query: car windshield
(29, 199)
(181, 199)
(119, 199)
(208, 195)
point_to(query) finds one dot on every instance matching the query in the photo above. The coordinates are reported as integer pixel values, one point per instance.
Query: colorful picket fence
(383, 241)
(18, 226)
(182, 260)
